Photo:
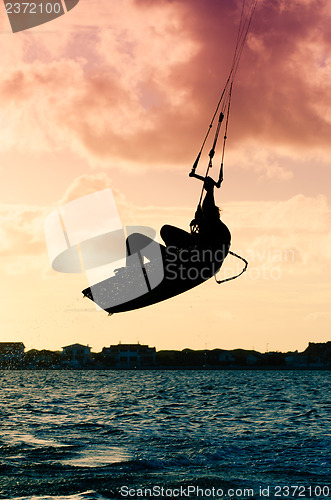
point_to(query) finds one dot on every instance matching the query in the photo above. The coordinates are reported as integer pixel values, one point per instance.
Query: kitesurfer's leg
(175, 237)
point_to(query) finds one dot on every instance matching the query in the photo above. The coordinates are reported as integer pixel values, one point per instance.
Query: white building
(77, 353)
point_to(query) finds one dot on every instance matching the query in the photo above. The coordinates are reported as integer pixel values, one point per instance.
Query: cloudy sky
(120, 94)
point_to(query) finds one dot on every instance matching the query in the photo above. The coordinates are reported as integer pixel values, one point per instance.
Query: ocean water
(197, 434)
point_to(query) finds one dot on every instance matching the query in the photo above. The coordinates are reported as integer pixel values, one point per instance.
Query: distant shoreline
(317, 356)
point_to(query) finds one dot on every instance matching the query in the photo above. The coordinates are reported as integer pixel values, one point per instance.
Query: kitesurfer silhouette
(187, 258)
(209, 231)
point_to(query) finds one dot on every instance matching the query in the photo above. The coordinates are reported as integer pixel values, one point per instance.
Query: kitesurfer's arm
(193, 174)
(220, 178)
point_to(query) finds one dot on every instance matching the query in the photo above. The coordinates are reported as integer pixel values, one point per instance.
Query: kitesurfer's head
(209, 184)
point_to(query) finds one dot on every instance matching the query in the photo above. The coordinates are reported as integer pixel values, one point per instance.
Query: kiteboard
(132, 287)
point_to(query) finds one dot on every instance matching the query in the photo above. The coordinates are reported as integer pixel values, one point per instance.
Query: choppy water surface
(87, 433)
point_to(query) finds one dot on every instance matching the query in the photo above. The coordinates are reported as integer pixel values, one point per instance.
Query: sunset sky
(120, 94)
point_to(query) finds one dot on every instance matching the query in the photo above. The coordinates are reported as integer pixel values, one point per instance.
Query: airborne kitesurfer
(210, 230)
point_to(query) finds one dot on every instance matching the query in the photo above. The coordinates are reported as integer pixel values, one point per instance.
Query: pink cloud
(142, 89)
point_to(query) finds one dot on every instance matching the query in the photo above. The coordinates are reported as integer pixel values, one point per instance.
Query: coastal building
(11, 351)
(226, 357)
(316, 355)
(76, 354)
(129, 355)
